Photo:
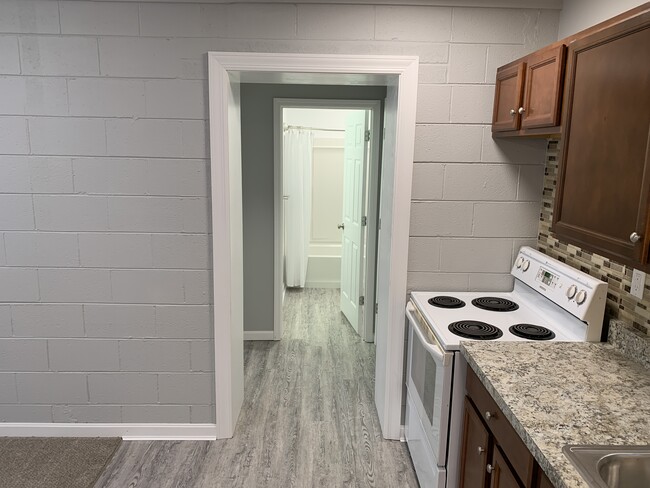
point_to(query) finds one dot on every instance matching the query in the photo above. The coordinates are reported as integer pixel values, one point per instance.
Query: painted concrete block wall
(580, 14)
(104, 221)
(104, 261)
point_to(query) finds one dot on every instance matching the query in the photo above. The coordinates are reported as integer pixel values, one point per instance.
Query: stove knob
(581, 297)
(571, 292)
(519, 262)
(526, 265)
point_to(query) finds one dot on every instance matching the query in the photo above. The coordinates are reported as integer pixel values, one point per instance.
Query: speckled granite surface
(558, 393)
(629, 342)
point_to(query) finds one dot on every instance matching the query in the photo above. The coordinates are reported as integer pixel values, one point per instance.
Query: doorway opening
(327, 184)
(227, 73)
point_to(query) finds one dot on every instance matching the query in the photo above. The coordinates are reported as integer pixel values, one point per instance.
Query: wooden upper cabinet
(508, 91)
(528, 94)
(602, 202)
(543, 88)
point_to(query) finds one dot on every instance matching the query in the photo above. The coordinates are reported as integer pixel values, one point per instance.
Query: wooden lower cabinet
(501, 474)
(542, 480)
(476, 440)
(493, 455)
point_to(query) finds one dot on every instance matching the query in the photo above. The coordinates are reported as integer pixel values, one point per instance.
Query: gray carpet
(53, 462)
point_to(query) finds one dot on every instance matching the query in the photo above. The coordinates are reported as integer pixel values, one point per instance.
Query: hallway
(308, 417)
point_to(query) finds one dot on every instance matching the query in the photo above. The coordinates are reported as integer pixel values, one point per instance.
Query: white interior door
(354, 189)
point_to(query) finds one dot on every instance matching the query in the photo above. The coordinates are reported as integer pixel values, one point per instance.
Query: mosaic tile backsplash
(620, 303)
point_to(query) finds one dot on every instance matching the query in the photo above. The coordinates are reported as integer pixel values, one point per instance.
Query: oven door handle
(436, 349)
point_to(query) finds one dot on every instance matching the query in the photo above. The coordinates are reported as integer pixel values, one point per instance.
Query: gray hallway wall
(257, 182)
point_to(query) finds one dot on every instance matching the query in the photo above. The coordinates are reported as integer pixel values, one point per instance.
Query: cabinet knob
(341, 226)
(512, 112)
(521, 110)
(634, 237)
(480, 450)
(488, 415)
(489, 468)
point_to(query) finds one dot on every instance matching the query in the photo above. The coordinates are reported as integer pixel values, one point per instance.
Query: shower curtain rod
(311, 128)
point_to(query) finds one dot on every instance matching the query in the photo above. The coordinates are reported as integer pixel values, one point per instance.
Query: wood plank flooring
(308, 417)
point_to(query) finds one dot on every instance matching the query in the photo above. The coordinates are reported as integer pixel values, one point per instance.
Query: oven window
(423, 375)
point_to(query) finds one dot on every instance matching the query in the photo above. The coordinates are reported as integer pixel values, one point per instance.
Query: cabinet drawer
(513, 447)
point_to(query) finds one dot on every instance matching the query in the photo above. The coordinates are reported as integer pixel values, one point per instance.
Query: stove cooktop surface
(504, 316)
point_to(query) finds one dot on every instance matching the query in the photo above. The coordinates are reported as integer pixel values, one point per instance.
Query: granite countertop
(558, 393)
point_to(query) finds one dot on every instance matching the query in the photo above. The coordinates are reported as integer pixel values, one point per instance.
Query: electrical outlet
(638, 282)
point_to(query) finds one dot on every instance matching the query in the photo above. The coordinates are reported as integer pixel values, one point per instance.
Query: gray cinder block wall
(104, 210)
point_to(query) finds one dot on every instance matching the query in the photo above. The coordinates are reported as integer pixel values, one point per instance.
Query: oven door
(429, 377)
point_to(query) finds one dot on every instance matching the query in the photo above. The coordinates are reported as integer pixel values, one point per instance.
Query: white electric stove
(550, 301)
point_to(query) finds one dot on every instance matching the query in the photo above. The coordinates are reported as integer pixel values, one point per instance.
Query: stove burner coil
(495, 304)
(532, 332)
(473, 329)
(443, 301)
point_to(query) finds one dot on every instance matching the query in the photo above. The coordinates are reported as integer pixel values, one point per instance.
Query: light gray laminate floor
(308, 417)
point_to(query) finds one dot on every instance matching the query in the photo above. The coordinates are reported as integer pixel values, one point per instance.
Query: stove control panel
(576, 292)
(546, 277)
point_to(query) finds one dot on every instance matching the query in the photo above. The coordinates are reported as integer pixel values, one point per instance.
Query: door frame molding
(226, 71)
(366, 330)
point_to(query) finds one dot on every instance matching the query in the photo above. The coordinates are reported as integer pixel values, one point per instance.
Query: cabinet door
(543, 88)
(604, 174)
(542, 480)
(476, 441)
(507, 98)
(501, 474)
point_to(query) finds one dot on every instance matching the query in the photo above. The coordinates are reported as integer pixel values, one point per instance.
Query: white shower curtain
(296, 166)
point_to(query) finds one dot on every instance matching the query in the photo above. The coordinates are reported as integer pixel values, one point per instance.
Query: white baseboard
(128, 432)
(258, 335)
(323, 284)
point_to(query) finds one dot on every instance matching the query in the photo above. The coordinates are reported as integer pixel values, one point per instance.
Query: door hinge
(367, 136)
(376, 308)
(364, 220)
(362, 300)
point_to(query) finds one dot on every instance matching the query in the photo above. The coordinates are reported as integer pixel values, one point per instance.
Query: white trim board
(258, 335)
(400, 75)
(128, 432)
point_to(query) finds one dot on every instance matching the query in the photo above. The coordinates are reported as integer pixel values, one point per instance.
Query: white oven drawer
(430, 475)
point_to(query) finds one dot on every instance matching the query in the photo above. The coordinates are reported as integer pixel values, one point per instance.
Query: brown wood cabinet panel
(476, 442)
(542, 480)
(604, 175)
(543, 88)
(502, 475)
(511, 444)
(507, 98)
(510, 463)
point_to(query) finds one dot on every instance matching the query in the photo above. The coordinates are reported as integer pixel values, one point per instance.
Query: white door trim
(374, 106)
(226, 71)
